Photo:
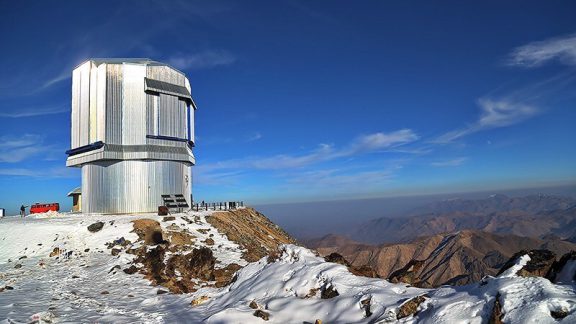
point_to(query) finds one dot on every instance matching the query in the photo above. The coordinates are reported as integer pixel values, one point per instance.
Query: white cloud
(494, 114)
(202, 60)
(325, 152)
(449, 163)
(254, 137)
(58, 172)
(536, 54)
(16, 149)
(30, 112)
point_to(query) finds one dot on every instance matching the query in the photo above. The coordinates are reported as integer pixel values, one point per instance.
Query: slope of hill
(136, 268)
(532, 216)
(458, 258)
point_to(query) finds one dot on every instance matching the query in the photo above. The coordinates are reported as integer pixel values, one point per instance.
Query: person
(23, 211)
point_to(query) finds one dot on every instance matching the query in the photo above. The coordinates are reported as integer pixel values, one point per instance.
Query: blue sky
(302, 100)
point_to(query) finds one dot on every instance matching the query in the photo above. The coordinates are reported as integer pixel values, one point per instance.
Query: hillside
(196, 267)
(531, 216)
(458, 258)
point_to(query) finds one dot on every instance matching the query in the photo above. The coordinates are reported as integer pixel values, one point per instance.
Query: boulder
(329, 292)
(559, 266)
(96, 227)
(262, 314)
(410, 307)
(336, 258)
(496, 314)
(409, 274)
(540, 263)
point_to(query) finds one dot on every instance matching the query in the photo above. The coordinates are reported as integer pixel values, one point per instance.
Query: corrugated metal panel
(167, 88)
(172, 117)
(84, 107)
(134, 105)
(101, 102)
(75, 120)
(132, 186)
(114, 95)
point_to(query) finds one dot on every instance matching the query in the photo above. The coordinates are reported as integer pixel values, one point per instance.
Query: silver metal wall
(132, 186)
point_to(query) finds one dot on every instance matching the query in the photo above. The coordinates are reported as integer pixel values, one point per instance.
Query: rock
(318, 321)
(86, 250)
(253, 305)
(161, 292)
(200, 300)
(131, 296)
(22, 257)
(181, 238)
(131, 270)
(262, 314)
(105, 292)
(18, 266)
(149, 231)
(163, 211)
(203, 230)
(209, 241)
(496, 315)
(540, 263)
(328, 292)
(168, 218)
(56, 251)
(410, 307)
(336, 258)
(115, 252)
(202, 262)
(225, 276)
(409, 274)
(559, 314)
(558, 266)
(364, 271)
(114, 268)
(96, 227)
(75, 277)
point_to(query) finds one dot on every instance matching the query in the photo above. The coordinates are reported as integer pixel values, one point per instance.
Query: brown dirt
(251, 230)
(149, 231)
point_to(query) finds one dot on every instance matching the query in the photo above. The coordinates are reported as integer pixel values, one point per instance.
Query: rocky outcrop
(251, 230)
(496, 314)
(410, 307)
(409, 274)
(539, 265)
(561, 267)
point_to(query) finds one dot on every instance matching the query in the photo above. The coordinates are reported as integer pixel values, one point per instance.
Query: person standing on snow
(23, 211)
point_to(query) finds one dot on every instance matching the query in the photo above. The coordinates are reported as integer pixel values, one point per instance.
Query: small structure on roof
(76, 194)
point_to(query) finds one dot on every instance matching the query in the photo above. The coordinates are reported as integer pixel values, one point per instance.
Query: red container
(42, 208)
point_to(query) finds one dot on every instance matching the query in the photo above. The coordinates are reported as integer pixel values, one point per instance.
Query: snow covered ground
(82, 287)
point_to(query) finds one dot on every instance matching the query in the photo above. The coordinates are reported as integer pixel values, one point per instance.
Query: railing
(223, 205)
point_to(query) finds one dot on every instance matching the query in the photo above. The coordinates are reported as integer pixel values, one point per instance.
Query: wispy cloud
(494, 113)
(31, 112)
(450, 163)
(324, 152)
(202, 60)
(16, 149)
(536, 54)
(58, 172)
(254, 137)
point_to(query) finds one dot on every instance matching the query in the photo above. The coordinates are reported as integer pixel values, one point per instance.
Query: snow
(71, 289)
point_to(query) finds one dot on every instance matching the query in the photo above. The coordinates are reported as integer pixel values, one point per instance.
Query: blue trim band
(85, 148)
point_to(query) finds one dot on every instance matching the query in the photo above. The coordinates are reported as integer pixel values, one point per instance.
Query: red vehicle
(42, 208)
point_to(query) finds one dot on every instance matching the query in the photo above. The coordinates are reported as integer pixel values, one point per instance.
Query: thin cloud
(562, 49)
(202, 60)
(31, 112)
(254, 137)
(324, 152)
(495, 113)
(17, 149)
(58, 172)
(450, 163)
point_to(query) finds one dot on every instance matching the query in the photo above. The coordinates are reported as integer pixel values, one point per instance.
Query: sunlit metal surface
(143, 113)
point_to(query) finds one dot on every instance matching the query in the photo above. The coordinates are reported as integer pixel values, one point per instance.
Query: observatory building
(132, 134)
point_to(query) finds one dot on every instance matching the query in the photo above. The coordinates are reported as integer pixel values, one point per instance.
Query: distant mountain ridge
(455, 258)
(531, 216)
